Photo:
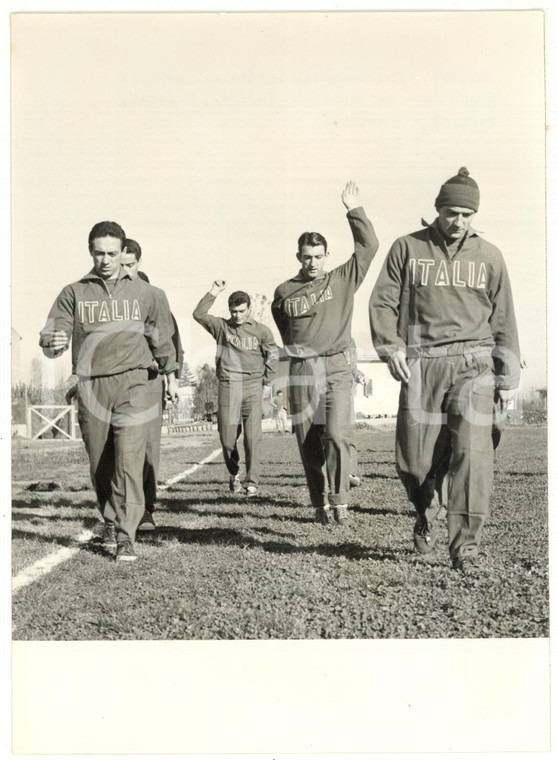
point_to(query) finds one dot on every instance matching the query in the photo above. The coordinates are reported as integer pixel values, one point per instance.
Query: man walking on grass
(313, 312)
(246, 360)
(158, 392)
(442, 317)
(280, 413)
(117, 325)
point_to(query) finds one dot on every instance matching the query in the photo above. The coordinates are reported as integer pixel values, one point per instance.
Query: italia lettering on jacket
(294, 307)
(245, 343)
(431, 272)
(91, 312)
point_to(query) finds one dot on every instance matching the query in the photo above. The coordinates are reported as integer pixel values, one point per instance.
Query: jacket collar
(92, 276)
(434, 226)
(249, 321)
(300, 277)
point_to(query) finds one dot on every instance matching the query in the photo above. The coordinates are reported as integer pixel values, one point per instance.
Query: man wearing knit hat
(442, 317)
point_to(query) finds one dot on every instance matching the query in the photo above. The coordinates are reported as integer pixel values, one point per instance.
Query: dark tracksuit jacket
(115, 336)
(314, 318)
(153, 446)
(452, 312)
(113, 333)
(246, 359)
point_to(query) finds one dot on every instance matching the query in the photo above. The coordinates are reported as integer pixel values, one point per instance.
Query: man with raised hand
(313, 312)
(159, 395)
(246, 360)
(117, 326)
(442, 317)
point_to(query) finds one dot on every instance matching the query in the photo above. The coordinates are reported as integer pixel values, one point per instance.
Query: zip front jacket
(314, 316)
(427, 298)
(244, 352)
(113, 332)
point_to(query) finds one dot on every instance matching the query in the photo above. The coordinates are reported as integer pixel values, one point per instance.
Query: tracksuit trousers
(113, 413)
(281, 419)
(320, 403)
(497, 427)
(240, 406)
(153, 444)
(353, 447)
(446, 411)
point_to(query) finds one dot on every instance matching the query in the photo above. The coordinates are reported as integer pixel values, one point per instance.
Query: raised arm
(201, 311)
(365, 239)
(350, 195)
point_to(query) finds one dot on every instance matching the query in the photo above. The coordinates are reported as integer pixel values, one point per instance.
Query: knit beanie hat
(461, 190)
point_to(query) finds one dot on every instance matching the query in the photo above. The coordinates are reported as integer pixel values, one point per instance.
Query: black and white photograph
(279, 382)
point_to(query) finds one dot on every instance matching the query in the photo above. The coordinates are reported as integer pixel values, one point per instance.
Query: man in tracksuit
(157, 391)
(442, 317)
(117, 326)
(313, 312)
(246, 360)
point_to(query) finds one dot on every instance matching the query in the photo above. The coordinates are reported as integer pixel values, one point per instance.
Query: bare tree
(187, 376)
(261, 309)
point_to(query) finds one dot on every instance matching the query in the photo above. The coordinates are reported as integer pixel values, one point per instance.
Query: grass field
(221, 567)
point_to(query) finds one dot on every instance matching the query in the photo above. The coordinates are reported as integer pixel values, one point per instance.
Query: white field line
(48, 563)
(191, 470)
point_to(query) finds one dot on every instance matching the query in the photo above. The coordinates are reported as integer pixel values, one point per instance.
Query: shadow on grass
(49, 502)
(245, 506)
(223, 482)
(517, 474)
(35, 519)
(372, 510)
(230, 537)
(53, 538)
(245, 514)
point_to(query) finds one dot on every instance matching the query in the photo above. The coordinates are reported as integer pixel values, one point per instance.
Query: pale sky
(216, 139)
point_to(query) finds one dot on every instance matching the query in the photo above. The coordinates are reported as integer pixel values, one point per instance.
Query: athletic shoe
(125, 551)
(355, 481)
(109, 535)
(424, 539)
(147, 522)
(234, 484)
(251, 491)
(322, 515)
(341, 514)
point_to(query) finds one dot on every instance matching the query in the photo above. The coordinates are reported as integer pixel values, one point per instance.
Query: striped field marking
(213, 455)
(46, 564)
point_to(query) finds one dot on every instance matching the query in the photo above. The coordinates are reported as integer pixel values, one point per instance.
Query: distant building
(542, 396)
(379, 397)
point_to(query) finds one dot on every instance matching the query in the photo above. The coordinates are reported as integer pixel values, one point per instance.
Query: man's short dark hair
(238, 298)
(132, 246)
(311, 238)
(107, 229)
